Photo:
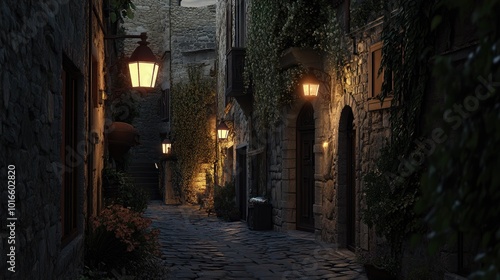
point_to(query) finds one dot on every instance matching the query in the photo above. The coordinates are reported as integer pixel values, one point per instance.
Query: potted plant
(378, 266)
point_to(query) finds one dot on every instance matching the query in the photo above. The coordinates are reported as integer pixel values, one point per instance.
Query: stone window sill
(375, 104)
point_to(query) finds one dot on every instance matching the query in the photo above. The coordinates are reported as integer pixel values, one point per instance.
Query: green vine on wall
(461, 186)
(193, 105)
(120, 9)
(274, 27)
(394, 187)
(365, 11)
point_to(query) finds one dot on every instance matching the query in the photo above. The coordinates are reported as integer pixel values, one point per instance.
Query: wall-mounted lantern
(143, 64)
(166, 146)
(310, 85)
(222, 130)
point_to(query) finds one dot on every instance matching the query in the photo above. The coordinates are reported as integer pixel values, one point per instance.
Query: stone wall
(349, 92)
(192, 40)
(238, 143)
(35, 36)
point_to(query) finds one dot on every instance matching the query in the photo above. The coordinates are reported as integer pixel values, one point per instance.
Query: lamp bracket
(143, 36)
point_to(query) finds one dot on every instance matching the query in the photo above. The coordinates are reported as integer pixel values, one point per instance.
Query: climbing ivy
(120, 9)
(365, 11)
(461, 186)
(274, 27)
(393, 187)
(193, 104)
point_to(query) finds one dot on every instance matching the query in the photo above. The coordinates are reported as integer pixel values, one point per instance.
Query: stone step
(145, 175)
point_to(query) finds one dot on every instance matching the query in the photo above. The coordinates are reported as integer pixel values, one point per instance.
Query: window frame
(374, 102)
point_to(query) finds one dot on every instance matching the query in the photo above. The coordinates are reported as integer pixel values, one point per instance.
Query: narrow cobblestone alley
(199, 247)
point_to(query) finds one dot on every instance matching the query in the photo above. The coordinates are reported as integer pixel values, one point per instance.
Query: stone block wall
(371, 128)
(192, 40)
(280, 143)
(35, 36)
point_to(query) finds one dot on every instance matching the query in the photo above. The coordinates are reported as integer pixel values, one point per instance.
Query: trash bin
(260, 214)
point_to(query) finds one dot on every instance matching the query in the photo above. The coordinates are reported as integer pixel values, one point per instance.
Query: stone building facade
(330, 141)
(51, 134)
(341, 118)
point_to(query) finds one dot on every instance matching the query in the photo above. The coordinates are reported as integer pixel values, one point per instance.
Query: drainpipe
(89, 108)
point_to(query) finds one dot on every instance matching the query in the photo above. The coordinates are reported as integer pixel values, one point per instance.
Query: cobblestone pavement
(197, 246)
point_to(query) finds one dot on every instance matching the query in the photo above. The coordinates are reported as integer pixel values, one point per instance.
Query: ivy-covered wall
(421, 42)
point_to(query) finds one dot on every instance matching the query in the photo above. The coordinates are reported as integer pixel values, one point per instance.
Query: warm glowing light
(222, 130)
(143, 74)
(166, 146)
(143, 66)
(325, 144)
(310, 85)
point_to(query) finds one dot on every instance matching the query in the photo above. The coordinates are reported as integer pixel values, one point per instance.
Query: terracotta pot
(121, 137)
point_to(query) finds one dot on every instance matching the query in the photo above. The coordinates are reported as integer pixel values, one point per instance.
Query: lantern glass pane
(133, 67)
(143, 74)
(222, 133)
(146, 73)
(311, 89)
(166, 147)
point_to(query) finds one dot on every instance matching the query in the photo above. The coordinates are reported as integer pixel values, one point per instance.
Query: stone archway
(346, 193)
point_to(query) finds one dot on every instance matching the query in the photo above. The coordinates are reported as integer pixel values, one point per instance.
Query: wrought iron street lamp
(166, 146)
(222, 130)
(310, 85)
(143, 64)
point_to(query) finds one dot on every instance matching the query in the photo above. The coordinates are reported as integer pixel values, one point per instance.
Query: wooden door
(241, 181)
(305, 168)
(350, 185)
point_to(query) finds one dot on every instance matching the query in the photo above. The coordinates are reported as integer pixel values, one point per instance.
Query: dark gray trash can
(260, 214)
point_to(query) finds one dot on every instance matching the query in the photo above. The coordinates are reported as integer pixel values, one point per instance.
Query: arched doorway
(305, 168)
(346, 195)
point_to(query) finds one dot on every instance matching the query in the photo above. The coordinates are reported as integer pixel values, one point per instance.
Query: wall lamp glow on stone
(310, 85)
(222, 130)
(166, 146)
(143, 64)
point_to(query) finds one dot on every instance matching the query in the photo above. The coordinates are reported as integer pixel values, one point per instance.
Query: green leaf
(112, 15)
(130, 13)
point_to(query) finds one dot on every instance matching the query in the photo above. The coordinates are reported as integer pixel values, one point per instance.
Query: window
(375, 80)
(165, 105)
(240, 28)
(240, 21)
(69, 155)
(229, 25)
